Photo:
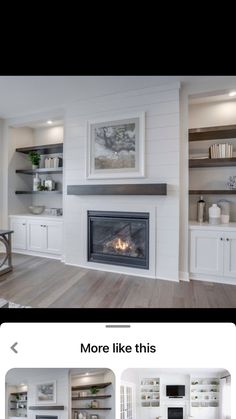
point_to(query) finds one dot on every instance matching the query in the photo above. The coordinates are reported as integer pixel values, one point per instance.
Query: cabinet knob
(221, 239)
(227, 239)
(23, 224)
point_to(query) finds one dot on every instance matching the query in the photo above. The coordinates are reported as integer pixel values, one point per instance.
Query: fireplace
(175, 413)
(119, 238)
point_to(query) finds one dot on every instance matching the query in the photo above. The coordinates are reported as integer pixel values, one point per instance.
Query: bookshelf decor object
(150, 392)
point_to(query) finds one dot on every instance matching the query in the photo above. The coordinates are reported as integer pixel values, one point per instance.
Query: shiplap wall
(161, 105)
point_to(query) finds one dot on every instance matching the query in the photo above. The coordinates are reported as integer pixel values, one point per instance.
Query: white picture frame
(116, 147)
(45, 392)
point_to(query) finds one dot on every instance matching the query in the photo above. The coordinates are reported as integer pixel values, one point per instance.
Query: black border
(117, 315)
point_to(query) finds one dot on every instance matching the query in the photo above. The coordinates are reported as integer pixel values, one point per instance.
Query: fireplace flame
(121, 245)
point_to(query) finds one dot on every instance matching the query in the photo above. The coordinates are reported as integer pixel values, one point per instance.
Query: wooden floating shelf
(43, 149)
(42, 171)
(128, 189)
(46, 407)
(212, 192)
(37, 192)
(91, 397)
(88, 386)
(91, 408)
(212, 133)
(19, 392)
(223, 162)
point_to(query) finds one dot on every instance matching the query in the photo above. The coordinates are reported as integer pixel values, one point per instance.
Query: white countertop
(51, 217)
(206, 226)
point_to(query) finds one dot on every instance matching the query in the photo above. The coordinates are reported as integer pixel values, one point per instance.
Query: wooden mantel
(123, 189)
(46, 407)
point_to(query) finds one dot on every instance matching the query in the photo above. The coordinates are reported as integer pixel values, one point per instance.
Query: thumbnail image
(175, 393)
(60, 393)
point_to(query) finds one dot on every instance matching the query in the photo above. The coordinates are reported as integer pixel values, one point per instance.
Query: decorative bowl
(36, 209)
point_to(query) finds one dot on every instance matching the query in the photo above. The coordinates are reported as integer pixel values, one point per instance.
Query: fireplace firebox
(119, 238)
(175, 413)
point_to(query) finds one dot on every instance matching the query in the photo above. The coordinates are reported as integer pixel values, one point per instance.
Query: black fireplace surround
(119, 238)
(175, 413)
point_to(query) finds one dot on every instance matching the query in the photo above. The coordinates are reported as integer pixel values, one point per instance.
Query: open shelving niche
(150, 392)
(204, 392)
(79, 393)
(56, 148)
(217, 133)
(18, 407)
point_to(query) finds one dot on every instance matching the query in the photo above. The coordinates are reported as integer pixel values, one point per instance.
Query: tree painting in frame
(46, 392)
(116, 147)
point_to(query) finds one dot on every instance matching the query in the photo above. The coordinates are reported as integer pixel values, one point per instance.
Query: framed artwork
(46, 392)
(115, 147)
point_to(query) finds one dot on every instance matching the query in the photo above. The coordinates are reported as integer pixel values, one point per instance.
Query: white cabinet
(37, 235)
(213, 254)
(230, 254)
(19, 226)
(207, 252)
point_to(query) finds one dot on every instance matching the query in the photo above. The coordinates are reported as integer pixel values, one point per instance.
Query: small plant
(34, 157)
(42, 188)
(94, 390)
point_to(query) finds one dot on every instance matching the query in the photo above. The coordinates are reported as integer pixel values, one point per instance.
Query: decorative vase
(35, 166)
(94, 404)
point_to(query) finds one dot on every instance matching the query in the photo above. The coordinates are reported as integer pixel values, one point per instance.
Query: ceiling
(26, 95)
(17, 376)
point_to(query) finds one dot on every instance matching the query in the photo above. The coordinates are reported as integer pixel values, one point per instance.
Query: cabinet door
(230, 254)
(207, 252)
(54, 237)
(36, 235)
(19, 226)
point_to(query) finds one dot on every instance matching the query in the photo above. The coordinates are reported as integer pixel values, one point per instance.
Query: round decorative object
(36, 209)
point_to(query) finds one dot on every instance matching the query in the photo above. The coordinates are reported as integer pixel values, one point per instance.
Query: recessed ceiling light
(49, 122)
(231, 94)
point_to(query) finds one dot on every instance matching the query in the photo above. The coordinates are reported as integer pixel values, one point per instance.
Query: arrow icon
(13, 347)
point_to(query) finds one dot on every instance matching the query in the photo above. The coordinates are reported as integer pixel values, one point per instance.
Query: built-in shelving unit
(204, 392)
(79, 393)
(206, 134)
(18, 403)
(150, 392)
(42, 149)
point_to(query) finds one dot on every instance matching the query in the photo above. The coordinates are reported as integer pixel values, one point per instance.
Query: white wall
(161, 105)
(61, 376)
(204, 115)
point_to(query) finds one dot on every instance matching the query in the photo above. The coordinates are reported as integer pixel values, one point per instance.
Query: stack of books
(221, 151)
(53, 162)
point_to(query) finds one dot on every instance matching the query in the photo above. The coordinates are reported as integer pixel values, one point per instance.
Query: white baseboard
(38, 254)
(213, 278)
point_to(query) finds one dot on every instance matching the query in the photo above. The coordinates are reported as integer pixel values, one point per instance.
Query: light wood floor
(41, 282)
